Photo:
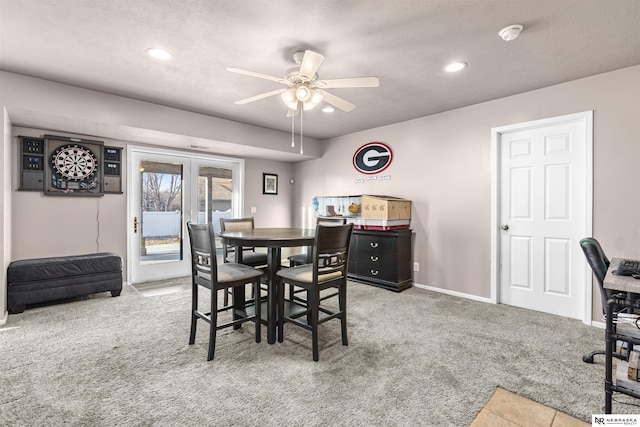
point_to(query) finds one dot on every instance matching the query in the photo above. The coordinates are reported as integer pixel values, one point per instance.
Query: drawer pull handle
(374, 244)
(374, 272)
(374, 258)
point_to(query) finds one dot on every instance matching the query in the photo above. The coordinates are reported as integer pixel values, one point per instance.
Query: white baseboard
(3, 320)
(453, 293)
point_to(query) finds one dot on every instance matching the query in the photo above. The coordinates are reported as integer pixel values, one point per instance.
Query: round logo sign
(372, 157)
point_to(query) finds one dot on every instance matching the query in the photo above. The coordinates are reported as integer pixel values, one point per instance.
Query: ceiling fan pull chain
(293, 119)
(301, 138)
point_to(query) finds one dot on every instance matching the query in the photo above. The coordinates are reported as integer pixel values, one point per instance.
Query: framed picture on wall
(269, 183)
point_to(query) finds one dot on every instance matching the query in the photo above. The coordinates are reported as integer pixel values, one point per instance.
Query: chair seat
(298, 259)
(250, 258)
(304, 274)
(233, 272)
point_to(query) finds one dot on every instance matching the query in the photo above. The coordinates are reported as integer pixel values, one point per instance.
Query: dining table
(273, 239)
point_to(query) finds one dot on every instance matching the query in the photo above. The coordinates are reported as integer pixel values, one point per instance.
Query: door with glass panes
(167, 189)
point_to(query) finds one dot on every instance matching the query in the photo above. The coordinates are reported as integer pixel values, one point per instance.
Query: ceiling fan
(305, 90)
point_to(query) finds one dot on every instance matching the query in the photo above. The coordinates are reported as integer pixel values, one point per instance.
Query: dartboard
(74, 162)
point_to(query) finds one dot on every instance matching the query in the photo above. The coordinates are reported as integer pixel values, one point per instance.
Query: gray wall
(442, 163)
(34, 225)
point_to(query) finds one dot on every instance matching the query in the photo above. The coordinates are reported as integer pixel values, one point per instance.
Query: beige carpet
(415, 358)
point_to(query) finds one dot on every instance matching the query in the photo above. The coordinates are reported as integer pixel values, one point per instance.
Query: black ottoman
(32, 281)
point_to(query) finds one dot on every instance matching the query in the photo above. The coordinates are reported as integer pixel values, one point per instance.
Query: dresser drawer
(378, 244)
(381, 271)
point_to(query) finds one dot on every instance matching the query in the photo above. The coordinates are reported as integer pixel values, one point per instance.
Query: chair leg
(313, 302)
(213, 324)
(194, 318)
(258, 309)
(280, 311)
(342, 306)
(225, 299)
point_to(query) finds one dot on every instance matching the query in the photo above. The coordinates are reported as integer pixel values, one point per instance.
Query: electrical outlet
(253, 209)
(416, 266)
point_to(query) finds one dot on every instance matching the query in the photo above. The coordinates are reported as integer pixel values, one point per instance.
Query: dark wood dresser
(381, 258)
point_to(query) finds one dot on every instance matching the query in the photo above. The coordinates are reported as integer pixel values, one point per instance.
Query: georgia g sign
(372, 157)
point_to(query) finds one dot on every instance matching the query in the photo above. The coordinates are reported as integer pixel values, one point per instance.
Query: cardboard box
(385, 207)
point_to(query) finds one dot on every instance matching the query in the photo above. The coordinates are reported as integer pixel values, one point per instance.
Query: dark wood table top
(269, 237)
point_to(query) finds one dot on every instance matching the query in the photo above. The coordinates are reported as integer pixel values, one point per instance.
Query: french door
(166, 189)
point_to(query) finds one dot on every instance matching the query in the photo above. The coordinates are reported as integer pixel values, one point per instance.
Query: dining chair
(206, 273)
(327, 270)
(249, 255)
(599, 263)
(303, 258)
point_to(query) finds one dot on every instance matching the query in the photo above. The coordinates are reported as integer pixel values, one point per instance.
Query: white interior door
(544, 210)
(166, 189)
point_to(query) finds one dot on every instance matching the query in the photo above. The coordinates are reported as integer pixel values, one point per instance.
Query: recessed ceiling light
(160, 54)
(328, 109)
(455, 66)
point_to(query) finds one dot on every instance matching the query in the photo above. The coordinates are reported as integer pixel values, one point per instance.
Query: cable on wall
(98, 226)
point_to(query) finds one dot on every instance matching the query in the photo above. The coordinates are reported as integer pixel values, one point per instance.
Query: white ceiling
(100, 45)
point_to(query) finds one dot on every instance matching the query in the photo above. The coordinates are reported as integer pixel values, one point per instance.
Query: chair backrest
(339, 220)
(236, 224)
(599, 264)
(331, 250)
(204, 266)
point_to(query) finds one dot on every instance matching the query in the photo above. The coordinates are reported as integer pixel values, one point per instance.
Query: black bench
(33, 281)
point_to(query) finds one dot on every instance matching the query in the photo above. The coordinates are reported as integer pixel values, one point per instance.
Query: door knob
(505, 227)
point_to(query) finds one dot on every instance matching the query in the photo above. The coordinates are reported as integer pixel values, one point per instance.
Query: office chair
(206, 272)
(599, 263)
(328, 270)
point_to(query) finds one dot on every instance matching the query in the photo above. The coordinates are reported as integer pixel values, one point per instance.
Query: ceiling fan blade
(337, 102)
(350, 82)
(258, 75)
(310, 63)
(261, 96)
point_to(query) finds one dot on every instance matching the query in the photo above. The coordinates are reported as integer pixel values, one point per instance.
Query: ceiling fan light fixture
(328, 109)
(289, 98)
(317, 96)
(303, 93)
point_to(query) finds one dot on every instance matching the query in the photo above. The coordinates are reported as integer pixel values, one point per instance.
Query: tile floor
(506, 409)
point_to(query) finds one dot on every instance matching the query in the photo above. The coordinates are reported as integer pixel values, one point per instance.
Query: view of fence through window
(161, 212)
(162, 204)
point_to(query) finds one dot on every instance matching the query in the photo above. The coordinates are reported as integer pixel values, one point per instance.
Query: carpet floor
(414, 358)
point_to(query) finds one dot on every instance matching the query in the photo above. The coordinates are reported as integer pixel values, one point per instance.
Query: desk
(626, 287)
(274, 239)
